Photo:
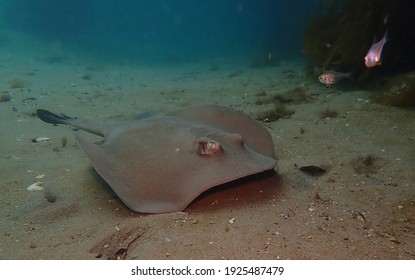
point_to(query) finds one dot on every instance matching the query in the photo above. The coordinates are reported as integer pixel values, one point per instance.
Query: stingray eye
(209, 147)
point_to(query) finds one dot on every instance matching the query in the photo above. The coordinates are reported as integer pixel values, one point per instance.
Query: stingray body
(160, 164)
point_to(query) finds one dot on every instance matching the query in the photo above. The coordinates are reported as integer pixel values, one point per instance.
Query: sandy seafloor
(363, 207)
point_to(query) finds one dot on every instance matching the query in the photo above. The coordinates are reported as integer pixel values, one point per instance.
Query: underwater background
(156, 30)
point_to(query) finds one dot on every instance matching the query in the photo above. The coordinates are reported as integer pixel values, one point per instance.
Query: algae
(295, 95)
(398, 91)
(18, 83)
(328, 114)
(279, 111)
(343, 38)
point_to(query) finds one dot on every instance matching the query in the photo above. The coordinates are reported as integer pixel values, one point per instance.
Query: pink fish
(331, 77)
(373, 55)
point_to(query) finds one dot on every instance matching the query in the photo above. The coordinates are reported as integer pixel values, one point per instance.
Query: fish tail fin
(386, 36)
(352, 75)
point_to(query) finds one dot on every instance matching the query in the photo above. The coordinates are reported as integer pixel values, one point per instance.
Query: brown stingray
(160, 164)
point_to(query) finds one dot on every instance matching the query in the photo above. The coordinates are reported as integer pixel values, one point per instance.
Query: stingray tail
(56, 119)
(52, 118)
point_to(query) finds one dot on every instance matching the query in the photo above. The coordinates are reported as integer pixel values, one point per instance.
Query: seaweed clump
(279, 111)
(398, 91)
(296, 95)
(368, 164)
(18, 83)
(328, 114)
(341, 39)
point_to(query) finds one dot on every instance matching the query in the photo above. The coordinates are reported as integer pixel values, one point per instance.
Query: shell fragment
(40, 139)
(38, 186)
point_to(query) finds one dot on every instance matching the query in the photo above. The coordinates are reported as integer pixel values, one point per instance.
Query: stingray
(162, 163)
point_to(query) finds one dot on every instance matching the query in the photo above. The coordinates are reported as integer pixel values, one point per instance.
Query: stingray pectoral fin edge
(102, 165)
(131, 191)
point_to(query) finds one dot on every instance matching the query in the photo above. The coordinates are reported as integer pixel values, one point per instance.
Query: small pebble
(4, 97)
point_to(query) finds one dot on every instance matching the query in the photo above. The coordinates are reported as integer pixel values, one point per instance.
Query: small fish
(332, 77)
(373, 57)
